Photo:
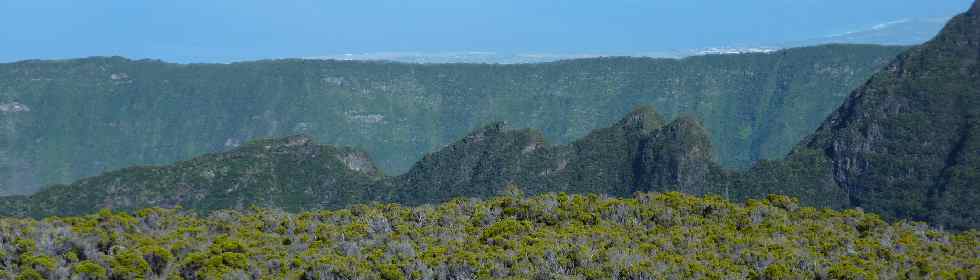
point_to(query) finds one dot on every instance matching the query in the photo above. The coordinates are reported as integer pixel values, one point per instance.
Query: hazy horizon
(225, 31)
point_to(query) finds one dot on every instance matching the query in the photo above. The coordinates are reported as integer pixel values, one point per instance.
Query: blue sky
(227, 30)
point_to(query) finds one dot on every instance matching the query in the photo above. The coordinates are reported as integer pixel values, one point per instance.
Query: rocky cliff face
(905, 144)
(677, 158)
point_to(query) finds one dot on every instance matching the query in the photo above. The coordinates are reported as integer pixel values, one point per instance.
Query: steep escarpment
(67, 119)
(905, 143)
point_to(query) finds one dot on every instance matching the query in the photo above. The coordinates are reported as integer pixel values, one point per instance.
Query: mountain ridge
(638, 153)
(290, 173)
(905, 144)
(93, 115)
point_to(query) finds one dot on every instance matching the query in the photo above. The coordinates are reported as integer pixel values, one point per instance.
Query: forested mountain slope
(290, 173)
(638, 153)
(63, 120)
(641, 152)
(907, 144)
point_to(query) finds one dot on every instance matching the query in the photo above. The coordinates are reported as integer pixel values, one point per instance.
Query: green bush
(549, 236)
(90, 270)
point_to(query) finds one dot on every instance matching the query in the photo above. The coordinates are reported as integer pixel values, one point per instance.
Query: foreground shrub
(551, 236)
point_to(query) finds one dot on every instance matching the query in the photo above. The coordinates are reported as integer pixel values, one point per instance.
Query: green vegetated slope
(64, 120)
(290, 173)
(638, 153)
(551, 236)
(907, 143)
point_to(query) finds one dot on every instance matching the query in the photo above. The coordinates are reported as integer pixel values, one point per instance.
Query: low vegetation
(549, 236)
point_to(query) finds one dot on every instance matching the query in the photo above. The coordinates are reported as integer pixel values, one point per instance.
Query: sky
(234, 30)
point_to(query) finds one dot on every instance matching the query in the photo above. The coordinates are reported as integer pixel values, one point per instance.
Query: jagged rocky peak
(359, 161)
(899, 144)
(688, 124)
(486, 131)
(284, 142)
(676, 158)
(500, 133)
(688, 132)
(299, 148)
(298, 140)
(292, 141)
(643, 118)
(962, 31)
